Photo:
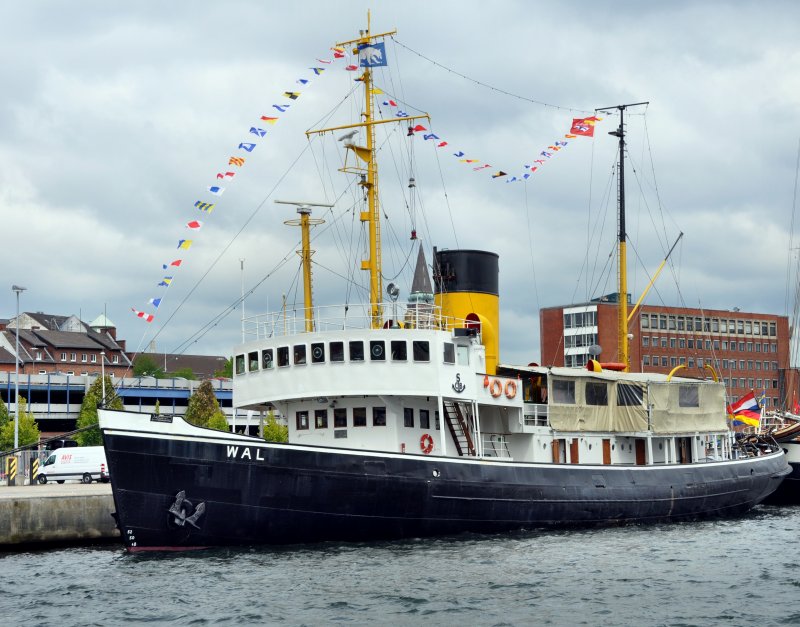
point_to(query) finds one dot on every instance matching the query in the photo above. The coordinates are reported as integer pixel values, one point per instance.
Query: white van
(81, 463)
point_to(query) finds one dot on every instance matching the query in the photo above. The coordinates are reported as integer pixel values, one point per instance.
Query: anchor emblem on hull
(458, 386)
(182, 512)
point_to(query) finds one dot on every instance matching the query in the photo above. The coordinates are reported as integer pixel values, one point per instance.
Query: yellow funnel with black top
(466, 288)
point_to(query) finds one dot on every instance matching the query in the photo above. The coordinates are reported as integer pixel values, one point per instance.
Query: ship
(787, 434)
(403, 422)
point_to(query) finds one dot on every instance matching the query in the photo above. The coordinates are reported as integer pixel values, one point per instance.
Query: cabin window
(564, 392)
(318, 353)
(463, 355)
(341, 433)
(378, 416)
(252, 361)
(359, 416)
(689, 396)
(436, 424)
(449, 353)
(339, 417)
(321, 418)
(422, 350)
(302, 420)
(357, 351)
(337, 351)
(424, 419)
(267, 359)
(408, 417)
(629, 395)
(377, 350)
(300, 355)
(596, 393)
(399, 350)
(283, 356)
(239, 364)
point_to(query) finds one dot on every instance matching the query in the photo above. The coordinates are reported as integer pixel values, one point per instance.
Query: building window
(673, 361)
(758, 365)
(682, 343)
(646, 360)
(749, 347)
(663, 342)
(38, 355)
(93, 358)
(299, 354)
(664, 361)
(716, 345)
(73, 357)
(645, 321)
(83, 358)
(339, 417)
(645, 341)
(672, 342)
(681, 323)
(115, 359)
(424, 419)
(321, 418)
(774, 348)
(708, 345)
(756, 328)
(699, 362)
(741, 347)
(359, 416)
(748, 328)
(378, 416)
(725, 364)
(733, 364)
(672, 323)
(564, 392)
(301, 418)
(691, 362)
(408, 417)
(715, 325)
(690, 343)
(749, 365)
(318, 353)
(267, 359)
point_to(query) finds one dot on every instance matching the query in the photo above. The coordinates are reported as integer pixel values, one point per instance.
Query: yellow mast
(369, 175)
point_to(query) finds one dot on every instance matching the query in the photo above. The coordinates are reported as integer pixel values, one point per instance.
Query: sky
(115, 118)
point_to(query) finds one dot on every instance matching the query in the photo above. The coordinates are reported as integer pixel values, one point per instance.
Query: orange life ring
(426, 443)
(511, 389)
(496, 388)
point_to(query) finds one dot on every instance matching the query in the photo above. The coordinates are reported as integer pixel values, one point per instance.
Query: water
(732, 572)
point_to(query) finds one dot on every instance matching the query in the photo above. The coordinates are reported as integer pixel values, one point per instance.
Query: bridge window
(596, 393)
(377, 350)
(283, 356)
(408, 417)
(302, 420)
(318, 353)
(424, 419)
(359, 416)
(239, 364)
(422, 350)
(357, 351)
(340, 417)
(399, 350)
(449, 353)
(689, 396)
(564, 392)
(378, 416)
(300, 355)
(252, 361)
(267, 359)
(321, 418)
(337, 351)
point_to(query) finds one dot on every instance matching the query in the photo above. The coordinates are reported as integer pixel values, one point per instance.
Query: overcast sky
(115, 118)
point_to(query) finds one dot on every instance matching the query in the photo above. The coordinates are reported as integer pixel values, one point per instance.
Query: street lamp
(18, 290)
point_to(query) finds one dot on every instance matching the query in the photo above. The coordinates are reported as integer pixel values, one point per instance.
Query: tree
(274, 432)
(88, 414)
(146, 366)
(186, 373)
(218, 421)
(28, 432)
(226, 370)
(3, 413)
(203, 405)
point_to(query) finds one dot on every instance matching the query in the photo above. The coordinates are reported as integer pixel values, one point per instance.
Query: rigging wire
(490, 87)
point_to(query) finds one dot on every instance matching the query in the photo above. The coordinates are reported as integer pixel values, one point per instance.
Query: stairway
(458, 418)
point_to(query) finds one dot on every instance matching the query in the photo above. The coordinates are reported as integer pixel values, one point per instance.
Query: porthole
(436, 472)
(590, 447)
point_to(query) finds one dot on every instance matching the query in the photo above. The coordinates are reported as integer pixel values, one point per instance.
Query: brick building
(62, 344)
(749, 351)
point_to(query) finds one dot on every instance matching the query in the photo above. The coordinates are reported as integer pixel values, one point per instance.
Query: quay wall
(66, 513)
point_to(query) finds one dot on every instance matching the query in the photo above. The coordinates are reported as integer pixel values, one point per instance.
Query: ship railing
(495, 445)
(536, 415)
(293, 321)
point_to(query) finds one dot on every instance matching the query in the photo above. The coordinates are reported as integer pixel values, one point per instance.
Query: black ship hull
(190, 492)
(788, 492)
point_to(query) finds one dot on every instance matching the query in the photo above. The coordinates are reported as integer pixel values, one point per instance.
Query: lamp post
(18, 290)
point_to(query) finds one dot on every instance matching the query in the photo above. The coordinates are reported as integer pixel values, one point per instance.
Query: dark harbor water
(733, 572)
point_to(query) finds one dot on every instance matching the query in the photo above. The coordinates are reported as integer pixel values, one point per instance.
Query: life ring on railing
(511, 389)
(426, 443)
(496, 388)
